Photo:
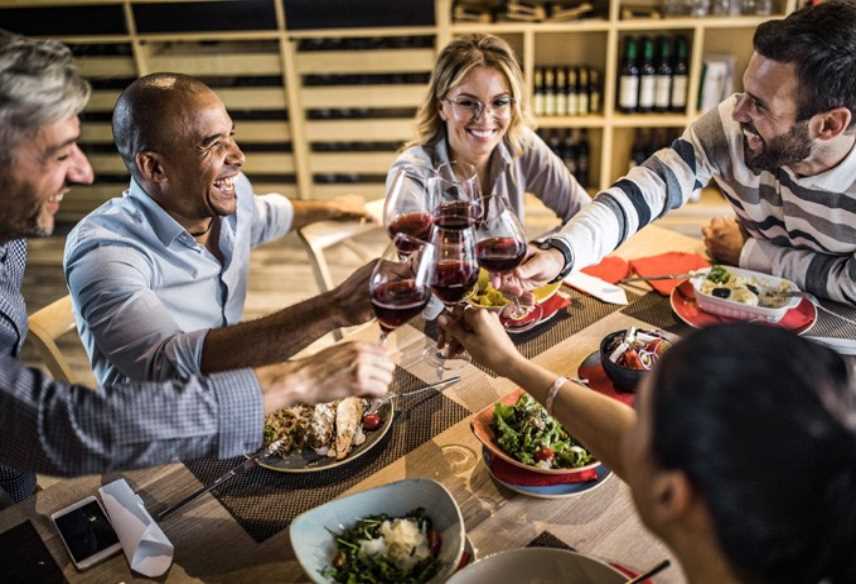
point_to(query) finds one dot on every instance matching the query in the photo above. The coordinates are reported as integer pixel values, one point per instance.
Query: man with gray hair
(62, 429)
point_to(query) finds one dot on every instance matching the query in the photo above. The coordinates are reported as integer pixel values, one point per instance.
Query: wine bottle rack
(322, 101)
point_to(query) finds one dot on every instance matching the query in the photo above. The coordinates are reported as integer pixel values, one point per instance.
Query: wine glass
(457, 195)
(456, 272)
(408, 206)
(400, 285)
(501, 247)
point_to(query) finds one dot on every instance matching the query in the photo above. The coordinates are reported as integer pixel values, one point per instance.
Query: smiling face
(472, 137)
(199, 170)
(767, 113)
(40, 171)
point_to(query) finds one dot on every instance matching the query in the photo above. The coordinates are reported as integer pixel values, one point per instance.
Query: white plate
(738, 310)
(538, 565)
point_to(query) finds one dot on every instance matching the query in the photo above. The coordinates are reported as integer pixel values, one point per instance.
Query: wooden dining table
(211, 546)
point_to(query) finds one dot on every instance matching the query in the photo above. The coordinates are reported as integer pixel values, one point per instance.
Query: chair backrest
(46, 326)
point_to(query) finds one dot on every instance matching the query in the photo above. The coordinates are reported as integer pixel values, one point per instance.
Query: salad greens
(526, 432)
(354, 565)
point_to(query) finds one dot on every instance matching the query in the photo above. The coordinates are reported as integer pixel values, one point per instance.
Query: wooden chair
(46, 326)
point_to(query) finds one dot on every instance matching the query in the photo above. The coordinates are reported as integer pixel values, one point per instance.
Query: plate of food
(518, 430)
(685, 305)
(539, 564)
(525, 482)
(406, 531)
(744, 294)
(484, 295)
(324, 436)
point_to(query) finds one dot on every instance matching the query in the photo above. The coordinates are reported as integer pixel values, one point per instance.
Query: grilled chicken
(349, 416)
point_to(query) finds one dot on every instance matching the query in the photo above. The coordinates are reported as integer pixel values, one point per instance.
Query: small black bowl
(623, 378)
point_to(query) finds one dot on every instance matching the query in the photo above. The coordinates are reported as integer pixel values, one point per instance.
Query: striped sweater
(801, 228)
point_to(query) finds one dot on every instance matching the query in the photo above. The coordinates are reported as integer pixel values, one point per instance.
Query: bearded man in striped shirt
(782, 152)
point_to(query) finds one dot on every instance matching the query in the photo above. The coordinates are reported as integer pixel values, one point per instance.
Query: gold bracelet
(553, 392)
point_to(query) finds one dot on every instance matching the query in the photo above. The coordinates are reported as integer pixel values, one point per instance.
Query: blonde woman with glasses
(476, 112)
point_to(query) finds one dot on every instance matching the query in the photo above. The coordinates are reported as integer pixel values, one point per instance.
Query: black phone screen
(86, 531)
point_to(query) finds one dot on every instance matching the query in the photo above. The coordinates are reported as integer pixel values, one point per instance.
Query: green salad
(379, 549)
(526, 432)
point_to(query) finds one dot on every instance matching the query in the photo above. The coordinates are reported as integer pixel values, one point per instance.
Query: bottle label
(573, 104)
(646, 92)
(594, 102)
(679, 91)
(583, 104)
(539, 104)
(662, 91)
(549, 105)
(628, 91)
(561, 105)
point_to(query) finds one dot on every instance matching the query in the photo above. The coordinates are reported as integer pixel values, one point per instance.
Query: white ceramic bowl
(732, 309)
(538, 566)
(315, 547)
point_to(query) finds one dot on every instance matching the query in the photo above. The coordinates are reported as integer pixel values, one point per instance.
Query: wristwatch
(555, 243)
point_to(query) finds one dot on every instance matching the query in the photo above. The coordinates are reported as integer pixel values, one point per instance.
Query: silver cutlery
(683, 276)
(376, 404)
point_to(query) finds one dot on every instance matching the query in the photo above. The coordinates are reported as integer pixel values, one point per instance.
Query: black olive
(721, 292)
(752, 289)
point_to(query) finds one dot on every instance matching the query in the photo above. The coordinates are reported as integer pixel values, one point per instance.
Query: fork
(376, 404)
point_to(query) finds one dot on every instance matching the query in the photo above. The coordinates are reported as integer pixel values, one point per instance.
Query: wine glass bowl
(408, 206)
(457, 196)
(456, 269)
(400, 285)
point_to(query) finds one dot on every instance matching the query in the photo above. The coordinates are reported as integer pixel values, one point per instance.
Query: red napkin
(508, 473)
(553, 304)
(611, 269)
(592, 369)
(673, 262)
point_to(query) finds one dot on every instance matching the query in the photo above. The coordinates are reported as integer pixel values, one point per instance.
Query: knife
(600, 289)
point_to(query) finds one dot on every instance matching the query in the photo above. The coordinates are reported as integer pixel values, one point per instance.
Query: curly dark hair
(821, 42)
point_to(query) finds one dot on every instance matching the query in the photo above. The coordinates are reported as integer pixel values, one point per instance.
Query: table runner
(264, 502)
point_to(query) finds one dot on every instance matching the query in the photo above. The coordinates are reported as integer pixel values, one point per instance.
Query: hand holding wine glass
(400, 285)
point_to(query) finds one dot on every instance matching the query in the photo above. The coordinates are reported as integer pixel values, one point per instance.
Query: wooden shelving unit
(262, 72)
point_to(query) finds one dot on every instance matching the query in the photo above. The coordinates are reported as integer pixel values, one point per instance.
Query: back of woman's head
(455, 61)
(762, 423)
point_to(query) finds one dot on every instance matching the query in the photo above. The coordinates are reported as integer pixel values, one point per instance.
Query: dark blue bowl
(623, 378)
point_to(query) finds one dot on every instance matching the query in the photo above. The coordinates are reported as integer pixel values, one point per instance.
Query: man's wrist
(563, 254)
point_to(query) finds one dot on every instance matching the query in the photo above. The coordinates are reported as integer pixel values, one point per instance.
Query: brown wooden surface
(211, 547)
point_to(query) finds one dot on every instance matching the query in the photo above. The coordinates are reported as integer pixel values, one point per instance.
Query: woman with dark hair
(740, 456)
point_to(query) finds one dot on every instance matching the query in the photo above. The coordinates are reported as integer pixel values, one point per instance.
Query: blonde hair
(457, 59)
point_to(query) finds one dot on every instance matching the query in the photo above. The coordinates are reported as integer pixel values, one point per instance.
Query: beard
(23, 216)
(783, 150)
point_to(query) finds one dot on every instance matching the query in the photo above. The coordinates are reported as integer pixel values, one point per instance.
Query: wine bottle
(539, 92)
(569, 153)
(679, 76)
(561, 95)
(594, 91)
(549, 92)
(628, 94)
(555, 143)
(646, 77)
(583, 108)
(573, 92)
(663, 78)
(641, 146)
(583, 159)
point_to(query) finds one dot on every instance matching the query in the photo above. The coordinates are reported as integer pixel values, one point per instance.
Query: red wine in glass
(500, 254)
(457, 215)
(453, 279)
(396, 302)
(416, 224)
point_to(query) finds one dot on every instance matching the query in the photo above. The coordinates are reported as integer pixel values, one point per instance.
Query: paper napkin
(600, 289)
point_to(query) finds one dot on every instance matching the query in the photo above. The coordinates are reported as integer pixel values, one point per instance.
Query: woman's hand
(484, 338)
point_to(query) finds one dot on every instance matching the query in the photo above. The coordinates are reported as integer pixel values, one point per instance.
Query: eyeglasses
(468, 107)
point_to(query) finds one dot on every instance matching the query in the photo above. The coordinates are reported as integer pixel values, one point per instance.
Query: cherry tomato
(545, 453)
(631, 359)
(435, 541)
(371, 421)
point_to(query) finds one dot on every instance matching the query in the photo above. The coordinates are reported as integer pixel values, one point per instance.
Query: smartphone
(86, 532)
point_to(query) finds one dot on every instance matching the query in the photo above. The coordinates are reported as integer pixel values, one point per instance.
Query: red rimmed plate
(481, 427)
(799, 319)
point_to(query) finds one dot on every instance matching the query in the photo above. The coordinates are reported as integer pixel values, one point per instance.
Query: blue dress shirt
(145, 293)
